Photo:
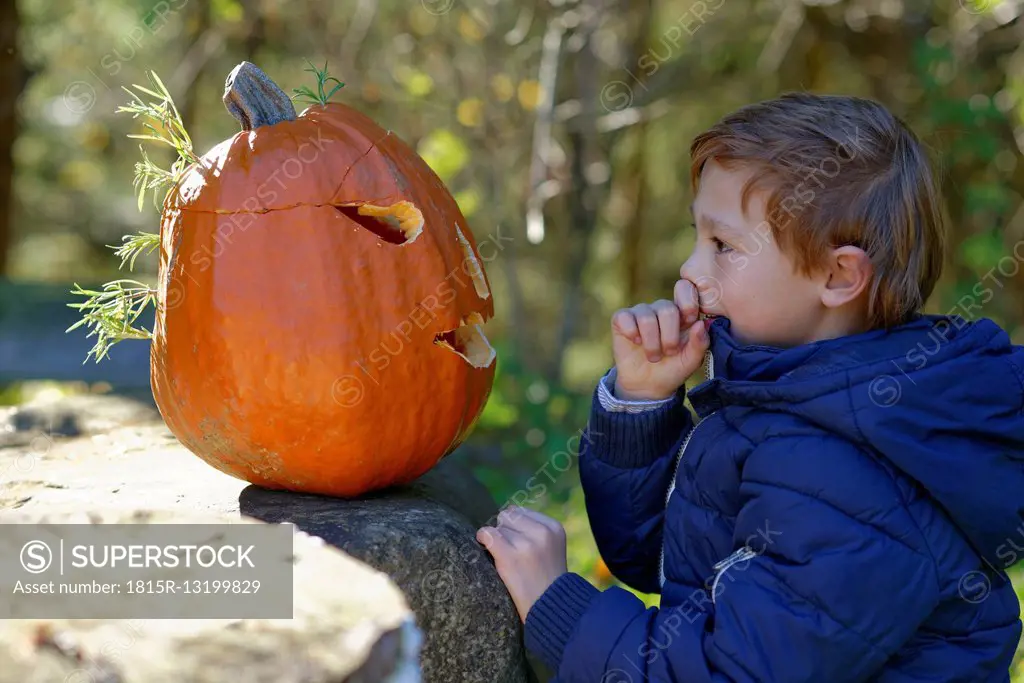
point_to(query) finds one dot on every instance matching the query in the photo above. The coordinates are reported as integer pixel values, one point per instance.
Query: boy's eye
(720, 246)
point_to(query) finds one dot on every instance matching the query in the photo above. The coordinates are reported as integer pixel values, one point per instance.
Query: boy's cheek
(738, 260)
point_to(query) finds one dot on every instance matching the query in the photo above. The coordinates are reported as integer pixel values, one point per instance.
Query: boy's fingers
(496, 538)
(697, 339)
(624, 322)
(686, 299)
(650, 334)
(514, 519)
(487, 536)
(668, 322)
(539, 517)
(510, 516)
(515, 538)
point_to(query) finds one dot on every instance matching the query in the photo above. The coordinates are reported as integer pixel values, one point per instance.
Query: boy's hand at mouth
(657, 346)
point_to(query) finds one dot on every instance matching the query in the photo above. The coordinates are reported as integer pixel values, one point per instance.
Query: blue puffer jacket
(843, 511)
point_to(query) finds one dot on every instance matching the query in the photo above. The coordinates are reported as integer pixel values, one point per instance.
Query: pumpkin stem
(255, 100)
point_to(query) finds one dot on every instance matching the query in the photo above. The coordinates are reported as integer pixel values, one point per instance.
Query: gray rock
(350, 624)
(451, 484)
(433, 556)
(71, 416)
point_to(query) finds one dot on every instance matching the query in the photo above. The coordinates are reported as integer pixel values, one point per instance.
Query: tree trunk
(635, 183)
(633, 239)
(257, 34)
(12, 80)
(582, 198)
(196, 30)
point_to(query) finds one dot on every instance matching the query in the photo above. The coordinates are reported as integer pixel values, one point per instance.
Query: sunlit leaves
(227, 10)
(982, 252)
(530, 94)
(468, 200)
(470, 28)
(503, 87)
(415, 82)
(444, 152)
(470, 112)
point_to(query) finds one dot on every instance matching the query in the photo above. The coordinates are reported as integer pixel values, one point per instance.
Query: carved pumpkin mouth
(468, 340)
(400, 223)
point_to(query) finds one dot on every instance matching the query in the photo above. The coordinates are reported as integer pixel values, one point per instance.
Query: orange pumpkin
(601, 571)
(321, 302)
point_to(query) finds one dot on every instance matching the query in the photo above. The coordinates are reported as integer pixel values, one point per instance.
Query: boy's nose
(708, 288)
(689, 271)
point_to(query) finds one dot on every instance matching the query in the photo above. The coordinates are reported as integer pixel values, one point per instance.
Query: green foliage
(989, 197)
(982, 251)
(11, 394)
(972, 148)
(538, 428)
(445, 152)
(582, 554)
(305, 94)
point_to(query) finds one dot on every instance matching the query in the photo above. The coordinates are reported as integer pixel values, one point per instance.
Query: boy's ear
(849, 274)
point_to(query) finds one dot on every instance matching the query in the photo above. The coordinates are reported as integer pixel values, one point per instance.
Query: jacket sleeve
(836, 578)
(626, 462)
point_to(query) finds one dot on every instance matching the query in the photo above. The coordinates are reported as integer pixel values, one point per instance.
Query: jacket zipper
(709, 372)
(722, 566)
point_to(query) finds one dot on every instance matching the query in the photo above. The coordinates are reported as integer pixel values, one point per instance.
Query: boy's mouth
(708, 318)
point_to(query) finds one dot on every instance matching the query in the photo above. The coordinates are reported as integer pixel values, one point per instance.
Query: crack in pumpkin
(225, 212)
(261, 210)
(355, 163)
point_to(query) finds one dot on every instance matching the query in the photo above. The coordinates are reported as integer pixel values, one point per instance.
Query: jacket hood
(940, 397)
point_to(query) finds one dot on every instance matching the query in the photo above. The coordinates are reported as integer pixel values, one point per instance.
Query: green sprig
(133, 245)
(306, 94)
(163, 121)
(112, 312)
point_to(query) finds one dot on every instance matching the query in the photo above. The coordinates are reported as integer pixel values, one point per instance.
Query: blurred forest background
(561, 126)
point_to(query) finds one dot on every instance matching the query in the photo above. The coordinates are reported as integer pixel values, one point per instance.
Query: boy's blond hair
(839, 170)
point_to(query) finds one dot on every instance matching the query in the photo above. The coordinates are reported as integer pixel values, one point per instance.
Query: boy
(852, 491)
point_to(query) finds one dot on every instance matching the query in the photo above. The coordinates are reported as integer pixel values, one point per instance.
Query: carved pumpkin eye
(329, 333)
(397, 224)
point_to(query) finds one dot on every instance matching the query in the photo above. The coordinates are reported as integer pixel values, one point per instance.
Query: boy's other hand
(528, 548)
(657, 346)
